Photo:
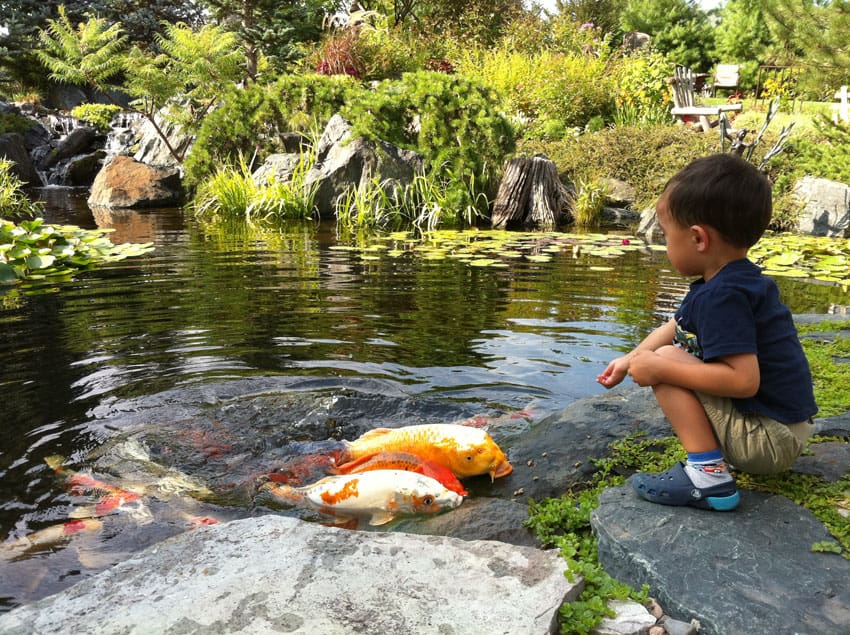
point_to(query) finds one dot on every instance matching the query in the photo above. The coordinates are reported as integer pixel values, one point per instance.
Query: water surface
(200, 365)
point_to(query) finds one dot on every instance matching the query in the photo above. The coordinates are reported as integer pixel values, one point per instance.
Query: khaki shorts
(755, 443)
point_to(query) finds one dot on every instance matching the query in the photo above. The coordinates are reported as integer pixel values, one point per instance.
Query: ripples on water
(149, 334)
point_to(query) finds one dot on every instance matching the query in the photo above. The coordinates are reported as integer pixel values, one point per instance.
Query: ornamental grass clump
(233, 193)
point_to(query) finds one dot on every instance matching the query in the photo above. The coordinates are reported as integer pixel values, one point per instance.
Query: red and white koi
(403, 461)
(379, 495)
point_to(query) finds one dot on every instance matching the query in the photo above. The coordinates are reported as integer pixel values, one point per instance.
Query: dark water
(186, 373)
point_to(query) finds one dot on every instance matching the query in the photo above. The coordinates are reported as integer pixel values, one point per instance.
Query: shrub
(255, 118)
(644, 157)
(453, 122)
(645, 93)
(98, 115)
(544, 87)
(11, 122)
(13, 202)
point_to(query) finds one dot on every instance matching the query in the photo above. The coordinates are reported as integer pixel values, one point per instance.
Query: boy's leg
(704, 480)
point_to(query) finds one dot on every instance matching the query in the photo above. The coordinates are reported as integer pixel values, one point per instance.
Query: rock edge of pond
(477, 569)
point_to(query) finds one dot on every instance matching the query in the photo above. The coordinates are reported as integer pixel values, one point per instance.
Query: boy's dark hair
(725, 192)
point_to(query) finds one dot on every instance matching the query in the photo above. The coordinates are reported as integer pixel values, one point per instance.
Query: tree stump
(530, 193)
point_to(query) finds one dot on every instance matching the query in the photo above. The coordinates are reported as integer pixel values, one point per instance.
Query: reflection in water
(211, 358)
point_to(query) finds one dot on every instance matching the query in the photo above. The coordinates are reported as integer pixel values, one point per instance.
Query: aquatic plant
(35, 250)
(13, 202)
(233, 192)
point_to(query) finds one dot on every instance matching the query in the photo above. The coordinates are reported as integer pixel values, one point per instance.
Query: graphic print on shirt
(688, 341)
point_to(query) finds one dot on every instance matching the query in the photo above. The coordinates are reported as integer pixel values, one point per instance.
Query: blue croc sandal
(674, 487)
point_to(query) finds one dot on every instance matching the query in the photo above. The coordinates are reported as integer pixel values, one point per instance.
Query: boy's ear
(701, 237)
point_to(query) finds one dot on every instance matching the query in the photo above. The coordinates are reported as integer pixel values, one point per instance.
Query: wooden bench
(684, 101)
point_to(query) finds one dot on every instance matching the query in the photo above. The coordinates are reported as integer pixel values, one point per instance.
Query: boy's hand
(644, 367)
(614, 373)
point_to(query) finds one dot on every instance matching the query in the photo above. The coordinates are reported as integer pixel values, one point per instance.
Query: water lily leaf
(40, 262)
(787, 273)
(7, 274)
(781, 260)
(539, 258)
(482, 262)
(599, 268)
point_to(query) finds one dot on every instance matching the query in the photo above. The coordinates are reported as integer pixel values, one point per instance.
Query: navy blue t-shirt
(739, 311)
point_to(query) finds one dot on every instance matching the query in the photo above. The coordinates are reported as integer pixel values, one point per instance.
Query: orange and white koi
(466, 451)
(379, 495)
(403, 461)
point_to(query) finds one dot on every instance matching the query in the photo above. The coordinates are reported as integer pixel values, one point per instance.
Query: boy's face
(681, 246)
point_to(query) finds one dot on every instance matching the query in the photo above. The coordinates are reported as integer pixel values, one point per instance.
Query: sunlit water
(210, 354)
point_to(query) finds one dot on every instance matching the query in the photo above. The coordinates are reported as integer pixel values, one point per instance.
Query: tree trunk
(530, 194)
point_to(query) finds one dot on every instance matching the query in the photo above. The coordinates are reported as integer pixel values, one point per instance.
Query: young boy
(728, 370)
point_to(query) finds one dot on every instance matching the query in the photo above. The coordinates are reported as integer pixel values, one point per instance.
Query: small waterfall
(122, 134)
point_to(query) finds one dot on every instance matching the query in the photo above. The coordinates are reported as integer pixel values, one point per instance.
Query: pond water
(193, 368)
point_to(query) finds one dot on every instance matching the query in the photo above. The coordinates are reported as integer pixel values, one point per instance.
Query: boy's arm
(727, 376)
(619, 368)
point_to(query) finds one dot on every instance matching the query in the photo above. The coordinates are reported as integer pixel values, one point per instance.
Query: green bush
(11, 122)
(645, 94)
(452, 121)
(546, 86)
(250, 122)
(643, 157)
(13, 202)
(97, 115)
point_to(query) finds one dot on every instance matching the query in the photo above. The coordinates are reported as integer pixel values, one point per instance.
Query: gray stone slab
(750, 571)
(280, 575)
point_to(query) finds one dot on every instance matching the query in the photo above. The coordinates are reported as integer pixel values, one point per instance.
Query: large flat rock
(751, 571)
(282, 575)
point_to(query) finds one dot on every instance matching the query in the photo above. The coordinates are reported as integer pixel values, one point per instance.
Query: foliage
(13, 202)
(33, 250)
(475, 22)
(643, 157)
(370, 48)
(257, 117)
(565, 523)
(453, 122)
(196, 66)
(831, 379)
(590, 201)
(233, 194)
(11, 122)
(645, 94)
(270, 30)
(97, 115)
(90, 54)
(426, 204)
(744, 38)
(679, 29)
(604, 14)
(814, 34)
(544, 87)
(829, 155)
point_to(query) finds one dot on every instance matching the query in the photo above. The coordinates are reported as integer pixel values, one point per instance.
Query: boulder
(13, 148)
(318, 580)
(751, 571)
(124, 182)
(649, 228)
(152, 149)
(344, 163)
(826, 207)
(78, 141)
(83, 169)
(276, 167)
